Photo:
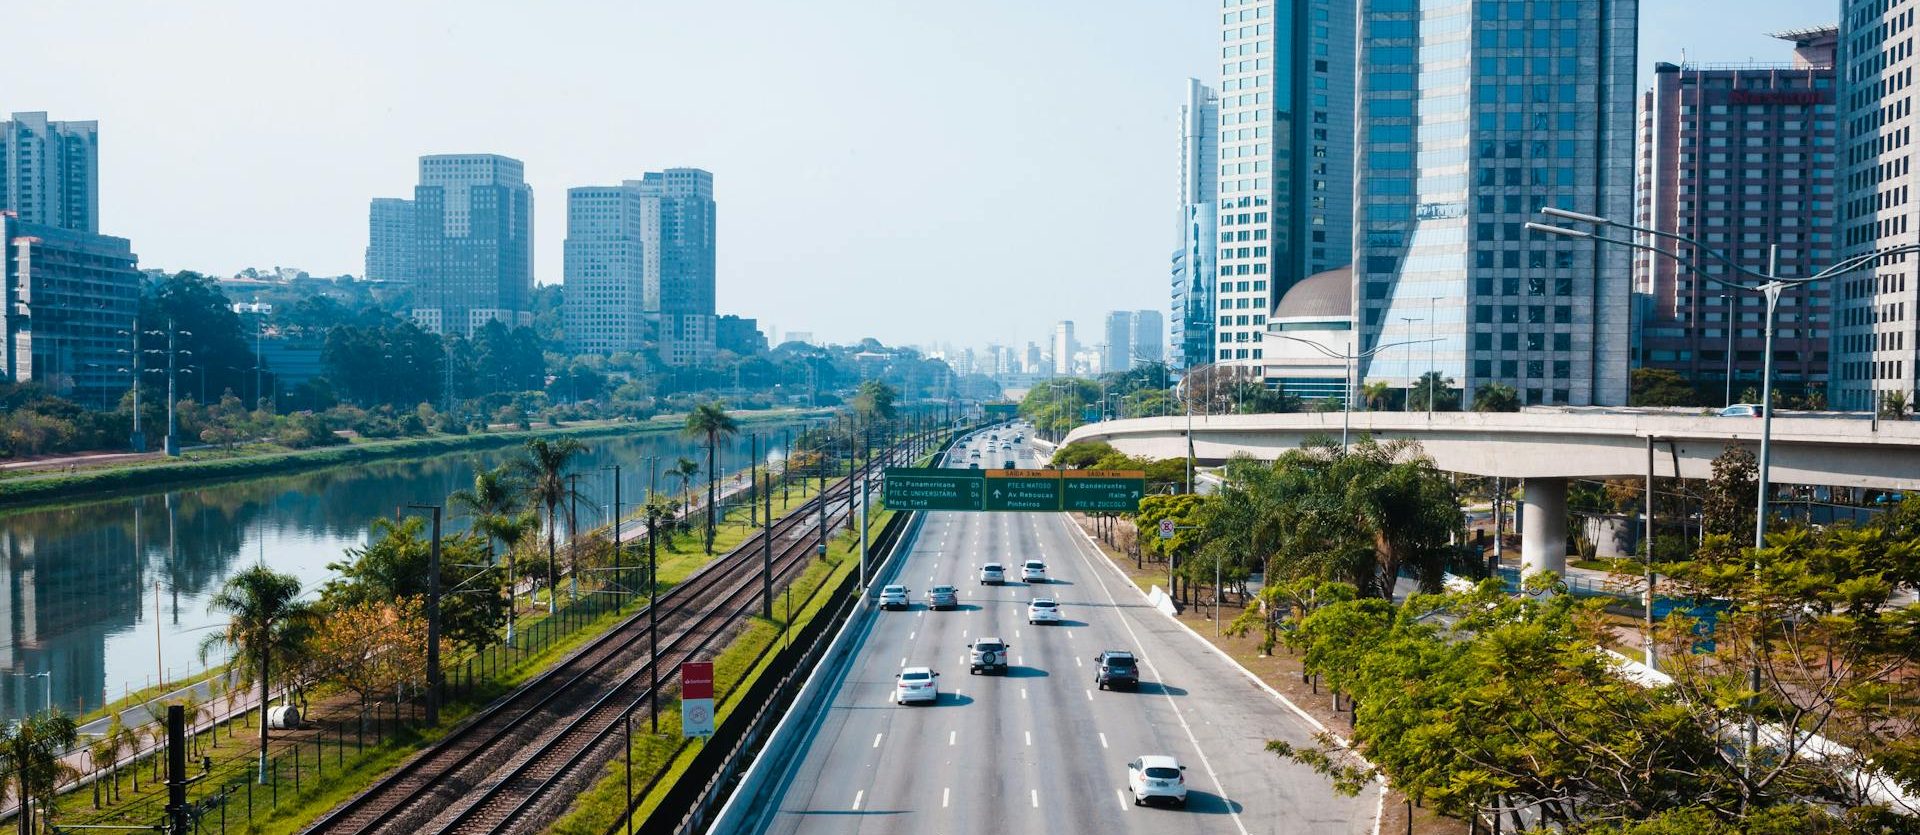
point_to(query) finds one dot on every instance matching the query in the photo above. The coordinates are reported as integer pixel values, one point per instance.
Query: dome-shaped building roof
(1325, 295)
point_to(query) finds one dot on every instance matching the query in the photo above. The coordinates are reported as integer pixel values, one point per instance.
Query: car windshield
(1036, 565)
(915, 677)
(1160, 772)
(992, 566)
(1043, 604)
(942, 589)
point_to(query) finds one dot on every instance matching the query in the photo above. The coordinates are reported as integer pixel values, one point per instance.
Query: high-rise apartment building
(1876, 345)
(67, 303)
(473, 243)
(390, 240)
(1192, 267)
(604, 270)
(1064, 347)
(1285, 161)
(50, 172)
(678, 217)
(1741, 158)
(1116, 353)
(1148, 338)
(1474, 115)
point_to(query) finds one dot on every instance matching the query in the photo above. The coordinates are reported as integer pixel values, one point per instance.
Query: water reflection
(112, 596)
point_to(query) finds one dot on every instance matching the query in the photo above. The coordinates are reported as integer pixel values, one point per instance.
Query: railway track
(504, 770)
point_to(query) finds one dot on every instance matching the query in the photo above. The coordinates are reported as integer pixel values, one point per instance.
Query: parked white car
(916, 685)
(1154, 778)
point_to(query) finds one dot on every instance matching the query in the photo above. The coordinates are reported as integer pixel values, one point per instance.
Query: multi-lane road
(1042, 749)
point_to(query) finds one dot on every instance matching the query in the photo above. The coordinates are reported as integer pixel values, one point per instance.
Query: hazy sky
(908, 170)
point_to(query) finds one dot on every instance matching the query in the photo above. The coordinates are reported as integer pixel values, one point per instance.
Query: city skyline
(219, 202)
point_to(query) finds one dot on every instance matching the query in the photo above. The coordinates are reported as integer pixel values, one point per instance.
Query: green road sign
(1102, 491)
(915, 488)
(1001, 410)
(1037, 490)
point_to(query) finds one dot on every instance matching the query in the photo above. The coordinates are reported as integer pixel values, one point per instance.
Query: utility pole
(173, 352)
(573, 533)
(753, 479)
(178, 822)
(865, 489)
(822, 497)
(766, 553)
(618, 578)
(653, 633)
(786, 468)
(433, 616)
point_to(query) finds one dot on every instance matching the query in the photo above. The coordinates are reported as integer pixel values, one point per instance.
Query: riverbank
(34, 491)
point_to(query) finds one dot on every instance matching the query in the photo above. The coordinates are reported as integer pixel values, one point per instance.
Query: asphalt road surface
(1041, 750)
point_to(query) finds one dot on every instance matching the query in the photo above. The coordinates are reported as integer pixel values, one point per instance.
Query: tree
(545, 472)
(1893, 405)
(1732, 493)
(510, 531)
(1446, 398)
(213, 344)
(1660, 387)
(30, 764)
(1377, 395)
(372, 646)
(496, 494)
(1082, 454)
(266, 623)
(874, 401)
(686, 470)
(105, 755)
(394, 566)
(1496, 397)
(711, 420)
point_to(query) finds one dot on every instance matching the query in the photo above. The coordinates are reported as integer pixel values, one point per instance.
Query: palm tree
(495, 495)
(685, 469)
(105, 756)
(1375, 395)
(30, 764)
(129, 745)
(191, 707)
(265, 620)
(510, 530)
(711, 419)
(545, 469)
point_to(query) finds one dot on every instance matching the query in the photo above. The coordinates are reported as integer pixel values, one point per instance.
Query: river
(110, 596)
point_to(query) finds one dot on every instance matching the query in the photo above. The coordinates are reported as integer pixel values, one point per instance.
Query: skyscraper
(50, 172)
(1739, 157)
(1063, 348)
(1477, 114)
(1117, 353)
(473, 238)
(1286, 159)
(1149, 344)
(1192, 268)
(390, 240)
(1875, 342)
(605, 275)
(679, 233)
(67, 304)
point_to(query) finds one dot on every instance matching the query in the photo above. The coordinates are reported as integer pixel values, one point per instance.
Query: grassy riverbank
(24, 491)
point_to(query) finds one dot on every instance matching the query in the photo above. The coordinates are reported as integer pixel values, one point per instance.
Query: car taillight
(1183, 778)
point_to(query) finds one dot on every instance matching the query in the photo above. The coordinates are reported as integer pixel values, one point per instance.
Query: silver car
(943, 597)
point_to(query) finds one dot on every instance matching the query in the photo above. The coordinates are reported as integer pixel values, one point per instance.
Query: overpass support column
(1543, 534)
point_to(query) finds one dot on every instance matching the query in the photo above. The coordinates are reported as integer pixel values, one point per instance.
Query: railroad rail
(502, 770)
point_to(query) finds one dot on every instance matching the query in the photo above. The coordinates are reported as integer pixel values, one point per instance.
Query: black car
(1116, 669)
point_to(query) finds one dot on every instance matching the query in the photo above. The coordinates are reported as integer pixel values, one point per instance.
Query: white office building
(605, 270)
(390, 240)
(50, 172)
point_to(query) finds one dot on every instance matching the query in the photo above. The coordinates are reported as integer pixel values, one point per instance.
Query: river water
(111, 596)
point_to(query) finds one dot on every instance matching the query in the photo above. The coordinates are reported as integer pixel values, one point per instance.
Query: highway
(1041, 749)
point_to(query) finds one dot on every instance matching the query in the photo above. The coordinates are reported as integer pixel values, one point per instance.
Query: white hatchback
(993, 574)
(1043, 610)
(916, 685)
(1153, 778)
(1033, 571)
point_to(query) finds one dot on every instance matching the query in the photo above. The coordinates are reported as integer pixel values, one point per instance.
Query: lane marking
(953, 736)
(1076, 659)
(1148, 661)
(903, 661)
(876, 739)
(1122, 797)
(1019, 661)
(963, 633)
(1029, 736)
(1023, 695)
(857, 797)
(1089, 694)
(943, 798)
(1035, 793)
(1103, 740)
(1016, 633)
(911, 634)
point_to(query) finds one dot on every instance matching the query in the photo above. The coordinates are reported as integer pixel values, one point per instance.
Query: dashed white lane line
(1035, 794)
(1019, 661)
(857, 797)
(1103, 740)
(876, 739)
(1122, 797)
(1029, 735)
(1076, 659)
(943, 798)
(963, 633)
(953, 736)
(1016, 633)
(1023, 692)
(911, 634)
(1089, 694)
(903, 661)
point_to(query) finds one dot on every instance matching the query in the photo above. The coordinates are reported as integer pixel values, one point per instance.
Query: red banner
(696, 680)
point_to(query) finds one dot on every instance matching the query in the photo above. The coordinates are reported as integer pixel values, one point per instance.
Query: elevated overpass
(1543, 448)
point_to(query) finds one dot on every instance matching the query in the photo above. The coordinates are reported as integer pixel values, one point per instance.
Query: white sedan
(1151, 778)
(1043, 610)
(916, 685)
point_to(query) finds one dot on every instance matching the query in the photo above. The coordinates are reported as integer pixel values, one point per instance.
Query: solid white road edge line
(1380, 805)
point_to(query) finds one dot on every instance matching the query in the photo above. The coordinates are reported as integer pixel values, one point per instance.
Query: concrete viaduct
(1544, 447)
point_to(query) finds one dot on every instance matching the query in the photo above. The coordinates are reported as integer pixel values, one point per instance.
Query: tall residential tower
(1876, 342)
(390, 240)
(473, 251)
(50, 172)
(605, 270)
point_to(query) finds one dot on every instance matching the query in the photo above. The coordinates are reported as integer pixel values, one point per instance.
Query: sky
(911, 171)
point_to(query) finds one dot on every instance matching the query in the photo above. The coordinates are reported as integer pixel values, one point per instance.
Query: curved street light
(1348, 359)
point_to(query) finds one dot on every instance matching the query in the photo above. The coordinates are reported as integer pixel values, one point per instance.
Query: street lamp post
(1770, 287)
(173, 353)
(1433, 374)
(1406, 323)
(137, 443)
(46, 674)
(1348, 358)
(1730, 312)
(618, 578)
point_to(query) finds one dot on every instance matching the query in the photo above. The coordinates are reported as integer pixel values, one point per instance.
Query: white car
(1043, 610)
(992, 574)
(894, 597)
(916, 685)
(1152, 778)
(1033, 571)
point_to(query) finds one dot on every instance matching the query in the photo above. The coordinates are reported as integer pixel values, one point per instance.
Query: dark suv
(1116, 669)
